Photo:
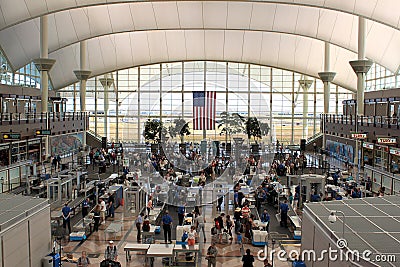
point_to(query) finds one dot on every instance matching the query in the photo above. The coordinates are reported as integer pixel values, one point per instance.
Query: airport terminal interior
(199, 133)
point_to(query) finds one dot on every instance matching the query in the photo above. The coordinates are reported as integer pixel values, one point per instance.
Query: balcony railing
(26, 118)
(371, 121)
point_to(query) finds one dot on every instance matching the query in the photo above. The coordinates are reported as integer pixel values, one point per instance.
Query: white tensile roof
(122, 34)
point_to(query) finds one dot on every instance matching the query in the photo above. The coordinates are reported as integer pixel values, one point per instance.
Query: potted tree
(180, 127)
(230, 124)
(154, 131)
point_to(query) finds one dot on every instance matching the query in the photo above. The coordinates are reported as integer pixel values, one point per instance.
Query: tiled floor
(228, 253)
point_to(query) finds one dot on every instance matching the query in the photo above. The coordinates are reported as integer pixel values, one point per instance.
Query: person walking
(284, 211)
(139, 222)
(248, 259)
(66, 214)
(167, 224)
(200, 221)
(111, 252)
(212, 253)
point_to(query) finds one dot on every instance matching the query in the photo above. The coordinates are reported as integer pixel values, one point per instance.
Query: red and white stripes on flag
(204, 104)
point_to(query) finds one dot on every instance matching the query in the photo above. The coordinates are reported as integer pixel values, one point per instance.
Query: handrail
(18, 118)
(374, 121)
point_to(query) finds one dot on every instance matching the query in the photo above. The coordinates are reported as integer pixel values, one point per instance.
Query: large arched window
(165, 91)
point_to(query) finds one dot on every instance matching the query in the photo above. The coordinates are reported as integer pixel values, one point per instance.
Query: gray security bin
(47, 261)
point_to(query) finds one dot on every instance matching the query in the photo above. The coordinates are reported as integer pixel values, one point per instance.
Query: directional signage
(11, 136)
(43, 132)
(386, 140)
(359, 135)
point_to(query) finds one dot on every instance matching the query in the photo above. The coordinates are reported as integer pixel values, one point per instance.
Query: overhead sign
(386, 140)
(359, 135)
(395, 151)
(368, 145)
(11, 136)
(43, 132)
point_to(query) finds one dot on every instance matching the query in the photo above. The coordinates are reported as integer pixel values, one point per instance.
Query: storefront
(381, 157)
(394, 159)
(368, 153)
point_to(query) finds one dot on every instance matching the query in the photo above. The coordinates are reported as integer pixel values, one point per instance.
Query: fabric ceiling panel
(140, 43)
(214, 44)
(345, 31)
(383, 11)
(141, 48)
(174, 37)
(143, 16)
(99, 20)
(263, 17)
(166, 14)
(61, 30)
(194, 44)
(120, 18)
(239, 15)
(158, 46)
(252, 46)
(286, 18)
(81, 23)
(190, 14)
(233, 45)
(214, 14)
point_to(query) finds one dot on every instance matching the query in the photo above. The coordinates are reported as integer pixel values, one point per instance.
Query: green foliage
(154, 130)
(180, 127)
(230, 124)
(255, 128)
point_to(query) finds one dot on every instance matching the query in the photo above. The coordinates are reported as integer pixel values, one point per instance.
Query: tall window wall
(165, 92)
(380, 78)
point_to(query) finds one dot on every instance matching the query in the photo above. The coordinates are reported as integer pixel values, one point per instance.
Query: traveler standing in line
(248, 259)
(192, 236)
(284, 211)
(212, 253)
(111, 205)
(181, 214)
(149, 205)
(167, 223)
(103, 211)
(83, 260)
(96, 218)
(139, 221)
(66, 214)
(85, 207)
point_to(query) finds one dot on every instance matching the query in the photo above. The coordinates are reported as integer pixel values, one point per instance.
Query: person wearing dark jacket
(248, 259)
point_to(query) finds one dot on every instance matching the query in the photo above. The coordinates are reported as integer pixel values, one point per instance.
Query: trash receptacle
(47, 261)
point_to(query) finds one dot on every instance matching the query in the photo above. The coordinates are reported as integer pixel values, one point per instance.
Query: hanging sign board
(368, 145)
(359, 135)
(395, 151)
(11, 136)
(386, 140)
(42, 132)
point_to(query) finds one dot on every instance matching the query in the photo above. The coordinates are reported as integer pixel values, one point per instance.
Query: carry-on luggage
(110, 263)
(297, 263)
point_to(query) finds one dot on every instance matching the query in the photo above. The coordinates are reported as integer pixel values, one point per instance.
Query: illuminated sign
(368, 145)
(43, 132)
(386, 140)
(395, 151)
(11, 136)
(359, 135)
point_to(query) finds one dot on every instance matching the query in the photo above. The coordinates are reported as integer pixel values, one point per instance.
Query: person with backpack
(83, 260)
(111, 252)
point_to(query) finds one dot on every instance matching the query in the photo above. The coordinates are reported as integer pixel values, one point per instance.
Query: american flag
(204, 104)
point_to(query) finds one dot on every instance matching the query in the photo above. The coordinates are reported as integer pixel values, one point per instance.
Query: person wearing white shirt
(103, 211)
